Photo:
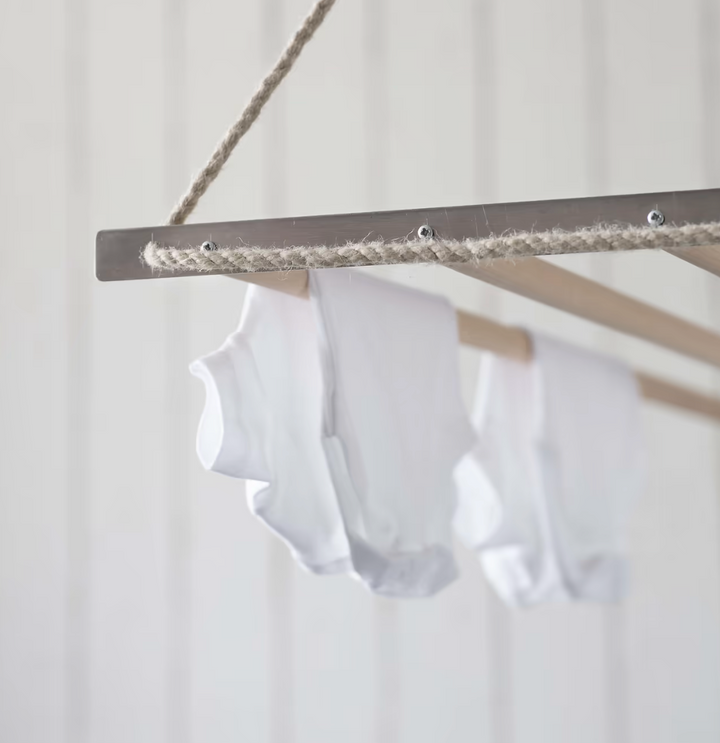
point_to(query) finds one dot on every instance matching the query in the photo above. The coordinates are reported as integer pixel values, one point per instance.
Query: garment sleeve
(233, 430)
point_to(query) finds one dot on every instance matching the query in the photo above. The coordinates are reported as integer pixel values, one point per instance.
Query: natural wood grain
(707, 258)
(488, 335)
(514, 343)
(660, 390)
(288, 282)
(565, 290)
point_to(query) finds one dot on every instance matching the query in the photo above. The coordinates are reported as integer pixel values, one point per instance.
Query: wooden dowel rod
(514, 343)
(288, 282)
(488, 335)
(547, 283)
(659, 390)
(706, 258)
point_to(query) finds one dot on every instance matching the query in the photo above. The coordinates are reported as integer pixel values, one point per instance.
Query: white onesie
(394, 426)
(262, 421)
(547, 493)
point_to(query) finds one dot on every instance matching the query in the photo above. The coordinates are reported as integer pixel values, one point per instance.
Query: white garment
(262, 421)
(394, 426)
(547, 493)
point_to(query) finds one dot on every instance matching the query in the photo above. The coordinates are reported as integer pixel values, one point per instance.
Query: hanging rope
(248, 259)
(262, 95)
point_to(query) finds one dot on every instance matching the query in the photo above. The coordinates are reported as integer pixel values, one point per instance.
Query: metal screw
(656, 218)
(426, 232)
(208, 246)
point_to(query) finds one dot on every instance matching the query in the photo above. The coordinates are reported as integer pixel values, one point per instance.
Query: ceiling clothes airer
(475, 240)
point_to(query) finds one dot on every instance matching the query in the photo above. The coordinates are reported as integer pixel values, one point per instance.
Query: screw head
(208, 246)
(426, 232)
(655, 218)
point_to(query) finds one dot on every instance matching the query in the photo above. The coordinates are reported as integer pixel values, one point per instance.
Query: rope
(246, 259)
(243, 259)
(262, 95)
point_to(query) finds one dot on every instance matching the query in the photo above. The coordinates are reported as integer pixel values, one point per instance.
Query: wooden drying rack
(118, 259)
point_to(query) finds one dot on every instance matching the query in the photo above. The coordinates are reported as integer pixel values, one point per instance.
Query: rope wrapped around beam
(248, 259)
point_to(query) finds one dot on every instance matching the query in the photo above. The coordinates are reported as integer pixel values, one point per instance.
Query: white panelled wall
(139, 600)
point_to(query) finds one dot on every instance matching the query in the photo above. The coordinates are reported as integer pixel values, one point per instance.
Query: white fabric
(262, 421)
(394, 426)
(547, 493)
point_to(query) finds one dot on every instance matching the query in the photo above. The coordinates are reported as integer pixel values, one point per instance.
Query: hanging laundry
(547, 493)
(262, 421)
(394, 427)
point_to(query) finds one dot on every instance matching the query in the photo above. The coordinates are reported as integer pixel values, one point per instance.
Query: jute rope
(248, 259)
(252, 110)
(241, 258)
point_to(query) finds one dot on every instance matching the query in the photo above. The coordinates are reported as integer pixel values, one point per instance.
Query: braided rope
(262, 95)
(243, 259)
(247, 259)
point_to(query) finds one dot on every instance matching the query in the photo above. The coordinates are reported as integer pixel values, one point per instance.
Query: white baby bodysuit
(394, 426)
(547, 493)
(262, 421)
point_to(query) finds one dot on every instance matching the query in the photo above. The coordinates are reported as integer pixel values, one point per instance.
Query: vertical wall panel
(558, 672)
(338, 677)
(429, 106)
(708, 30)
(655, 84)
(430, 156)
(389, 698)
(177, 438)
(596, 110)
(666, 62)
(139, 599)
(128, 566)
(539, 99)
(80, 387)
(483, 75)
(231, 631)
(277, 20)
(34, 320)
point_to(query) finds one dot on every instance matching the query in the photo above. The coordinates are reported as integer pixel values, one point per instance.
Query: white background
(139, 600)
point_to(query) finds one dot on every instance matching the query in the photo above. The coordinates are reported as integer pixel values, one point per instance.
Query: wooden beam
(668, 393)
(707, 258)
(547, 283)
(288, 282)
(514, 343)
